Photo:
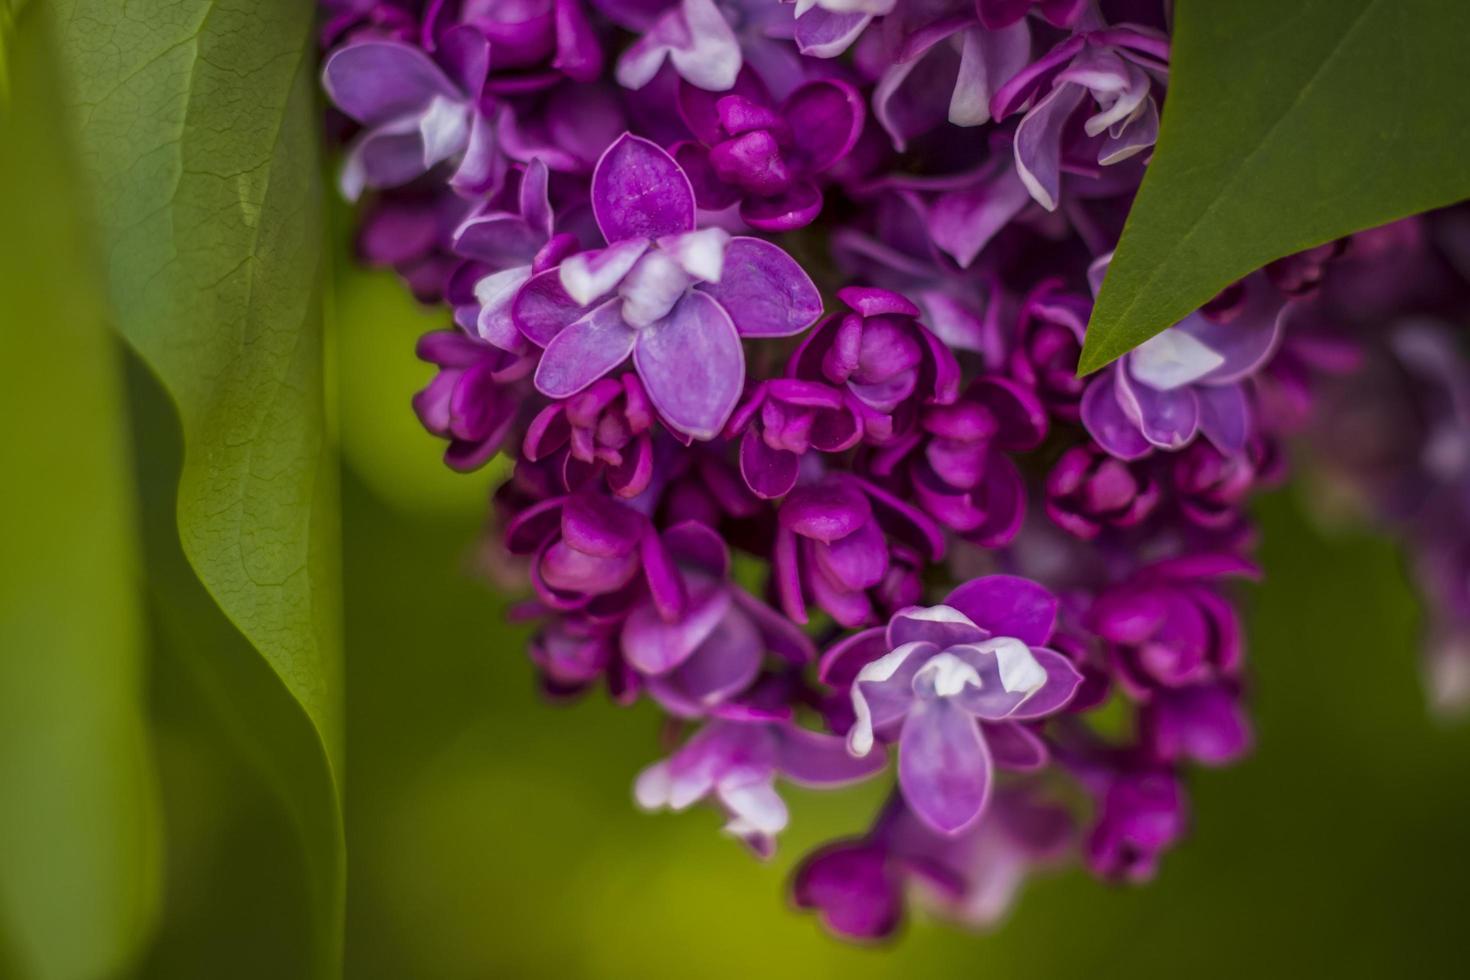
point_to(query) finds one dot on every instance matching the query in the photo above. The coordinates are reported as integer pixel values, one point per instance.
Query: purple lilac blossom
(675, 299)
(634, 215)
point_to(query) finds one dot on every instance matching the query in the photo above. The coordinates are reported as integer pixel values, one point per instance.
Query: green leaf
(78, 814)
(199, 129)
(1287, 125)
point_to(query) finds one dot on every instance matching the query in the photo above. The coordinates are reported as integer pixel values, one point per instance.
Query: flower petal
(588, 276)
(1039, 144)
(376, 81)
(585, 351)
(1008, 605)
(765, 291)
(944, 766)
(542, 309)
(692, 365)
(639, 192)
(653, 645)
(811, 758)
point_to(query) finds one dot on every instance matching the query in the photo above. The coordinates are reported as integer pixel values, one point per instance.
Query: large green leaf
(78, 827)
(199, 129)
(1288, 124)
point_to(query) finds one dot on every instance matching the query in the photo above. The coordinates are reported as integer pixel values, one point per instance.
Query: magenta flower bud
(882, 355)
(1213, 487)
(473, 400)
(1088, 490)
(1048, 344)
(608, 427)
(1141, 815)
(1168, 626)
(783, 419)
(836, 542)
(1206, 724)
(766, 155)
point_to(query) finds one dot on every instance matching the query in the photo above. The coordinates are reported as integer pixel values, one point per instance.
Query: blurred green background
(491, 835)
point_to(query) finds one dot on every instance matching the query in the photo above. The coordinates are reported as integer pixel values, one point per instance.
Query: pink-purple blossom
(776, 310)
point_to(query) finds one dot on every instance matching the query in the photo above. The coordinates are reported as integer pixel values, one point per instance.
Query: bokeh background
(490, 834)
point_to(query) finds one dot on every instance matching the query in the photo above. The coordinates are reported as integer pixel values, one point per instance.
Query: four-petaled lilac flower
(1117, 68)
(677, 300)
(416, 113)
(947, 67)
(508, 247)
(1191, 379)
(736, 760)
(980, 657)
(762, 155)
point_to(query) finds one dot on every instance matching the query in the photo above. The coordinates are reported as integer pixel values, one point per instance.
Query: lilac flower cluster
(777, 308)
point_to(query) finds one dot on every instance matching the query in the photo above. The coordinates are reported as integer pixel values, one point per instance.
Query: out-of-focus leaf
(1287, 125)
(229, 711)
(78, 818)
(198, 127)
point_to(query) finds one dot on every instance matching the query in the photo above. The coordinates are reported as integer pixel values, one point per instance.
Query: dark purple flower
(883, 355)
(675, 299)
(951, 685)
(472, 400)
(533, 42)
(957, 465)
(839, 542)
(784, 418)
(1169, 627)
(1213, 487)
(1088, 490)
(857, 886)
(763, 155)
(1048, 344)
(1141, 814)
(698, 657)
(1205, 723)
(609, 425)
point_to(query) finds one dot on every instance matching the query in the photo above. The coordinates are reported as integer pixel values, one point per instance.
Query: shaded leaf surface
(1286, 125)
(198, 127)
